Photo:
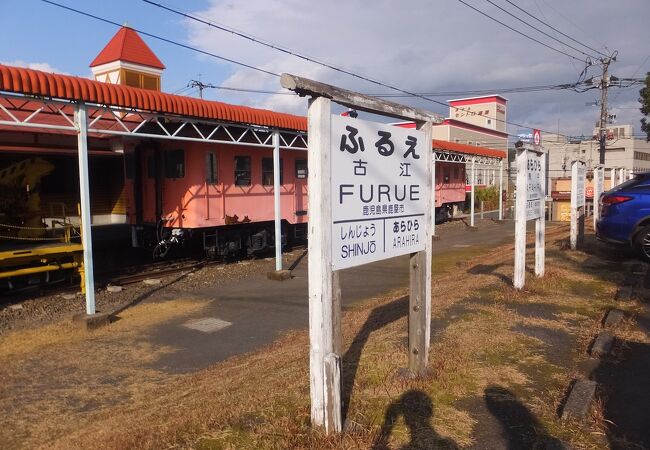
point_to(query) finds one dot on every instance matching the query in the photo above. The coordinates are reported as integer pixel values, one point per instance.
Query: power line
(535, 28)
(513, 90)
(519, 32)
(568, 19)
(287, 51)
(555, 29)
(361, 77)
(335, 68)
(633, 75)
(160, 38)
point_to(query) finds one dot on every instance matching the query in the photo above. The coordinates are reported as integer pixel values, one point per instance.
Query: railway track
(162, 268)
(122, 280)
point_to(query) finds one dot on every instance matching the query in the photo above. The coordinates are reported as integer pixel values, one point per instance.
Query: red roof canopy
(34, 82)
(468, 149)
(127, 45)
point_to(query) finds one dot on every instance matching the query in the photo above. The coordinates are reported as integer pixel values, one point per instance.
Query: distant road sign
(537, 137)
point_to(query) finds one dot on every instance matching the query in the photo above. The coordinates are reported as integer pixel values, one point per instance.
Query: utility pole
(199, 84)
(604, 84)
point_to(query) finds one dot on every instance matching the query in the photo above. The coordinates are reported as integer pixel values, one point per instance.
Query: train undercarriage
(237, 240)
(224, 242)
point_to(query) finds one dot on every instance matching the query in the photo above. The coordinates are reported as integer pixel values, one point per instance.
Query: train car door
(300, 188)
(211, 187)
(149, 174)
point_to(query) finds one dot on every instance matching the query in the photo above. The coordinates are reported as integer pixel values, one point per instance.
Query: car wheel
(642, 243)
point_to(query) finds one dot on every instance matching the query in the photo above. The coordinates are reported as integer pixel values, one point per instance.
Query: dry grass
(69, 390)
(54, 376)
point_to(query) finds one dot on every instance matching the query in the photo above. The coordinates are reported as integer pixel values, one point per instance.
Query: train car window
(301, 168)
(211, 168)
(242, 170)
(175, 163)
(267, 172)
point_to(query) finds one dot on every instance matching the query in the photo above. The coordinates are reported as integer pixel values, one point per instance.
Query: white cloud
(426, 46)
(42, 66)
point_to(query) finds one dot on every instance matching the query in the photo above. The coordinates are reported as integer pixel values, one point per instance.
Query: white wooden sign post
(370, 190)
(501, 190)
(578, 176)
(472, 194)
(530, 205)
(599, 188)
(433, 195)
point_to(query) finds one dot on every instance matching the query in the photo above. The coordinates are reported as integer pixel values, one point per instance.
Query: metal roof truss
(463, 158)
(104, 120)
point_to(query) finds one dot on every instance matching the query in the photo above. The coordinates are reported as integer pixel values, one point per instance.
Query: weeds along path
(500, 359)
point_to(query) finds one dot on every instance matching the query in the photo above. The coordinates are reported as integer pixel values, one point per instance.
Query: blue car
(625, 215)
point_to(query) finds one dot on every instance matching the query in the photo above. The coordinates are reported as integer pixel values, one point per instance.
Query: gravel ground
(47, 308)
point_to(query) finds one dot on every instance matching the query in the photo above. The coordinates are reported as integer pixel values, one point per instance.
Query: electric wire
(519, 32)
(568, 19)
(163, 39)
(347, 72)
(633, 75)
(537, 29)
(523, 89)
(555, 29)
(335, 68)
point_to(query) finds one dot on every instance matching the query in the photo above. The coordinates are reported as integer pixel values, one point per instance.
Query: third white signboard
(580, 185)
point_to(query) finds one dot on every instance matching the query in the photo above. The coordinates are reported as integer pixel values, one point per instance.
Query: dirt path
(501, 361)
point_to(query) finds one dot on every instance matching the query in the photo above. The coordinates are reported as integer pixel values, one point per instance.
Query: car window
(643, 186)
(629, 184)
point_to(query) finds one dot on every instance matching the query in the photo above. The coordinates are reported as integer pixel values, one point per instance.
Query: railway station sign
(378, 191)
(369, 199)
(534, 183)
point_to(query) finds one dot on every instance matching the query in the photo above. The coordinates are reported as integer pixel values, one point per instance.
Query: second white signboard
(378, 191)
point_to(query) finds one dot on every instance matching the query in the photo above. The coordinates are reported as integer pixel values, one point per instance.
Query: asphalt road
(259, 310)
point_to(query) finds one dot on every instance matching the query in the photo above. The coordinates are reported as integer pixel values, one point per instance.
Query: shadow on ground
(624, 392)
(378, 318)
(518, 427)
(622, 378)
(416, 408)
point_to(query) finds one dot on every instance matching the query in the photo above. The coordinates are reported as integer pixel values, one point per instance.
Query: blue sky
(69, 42)
(426, 46)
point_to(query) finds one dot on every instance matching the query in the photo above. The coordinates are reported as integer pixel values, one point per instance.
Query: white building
(622, 149)
(481, 122)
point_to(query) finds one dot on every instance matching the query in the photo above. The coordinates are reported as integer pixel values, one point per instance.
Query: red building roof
(127, 45)
(468, 149)
(52, 85)
(476, 100)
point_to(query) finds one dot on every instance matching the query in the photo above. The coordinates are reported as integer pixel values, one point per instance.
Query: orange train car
(217, 196)
(220, 196)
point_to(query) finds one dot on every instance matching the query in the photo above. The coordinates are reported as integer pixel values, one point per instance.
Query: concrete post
(81, 122)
